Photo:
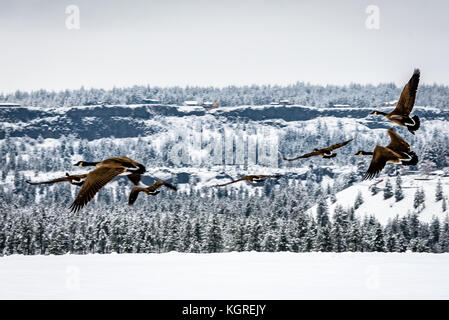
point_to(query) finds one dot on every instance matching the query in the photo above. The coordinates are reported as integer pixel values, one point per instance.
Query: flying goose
(401, 114)
(149, 190)
(326, 153)
(398, 152)
(76, 179)
(106, 171)
(252, 179)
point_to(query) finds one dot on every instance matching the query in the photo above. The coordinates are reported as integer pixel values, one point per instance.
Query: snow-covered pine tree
(282, 243)
(354, 241)
(398, 193)
(388, 190)
(269, 242)
(198, 237)
(323, 241)
(340, 230)
(254, 236)
(378, 240)
(240, 237)
(418, 202)
(298, 233)
(439, 191)
(186, 236)
(358, 200)
(444, 235)
(434, 236)
(322, 213)
(391, 240)
(418, 245)
(214, 238)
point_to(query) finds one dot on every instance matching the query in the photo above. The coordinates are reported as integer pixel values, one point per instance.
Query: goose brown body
(325, 152)
(252, 179)
(106, 171)
(401, 114)
(397, 152)
(149, 190)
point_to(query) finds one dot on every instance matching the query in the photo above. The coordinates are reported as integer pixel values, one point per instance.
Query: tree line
(301, 93)
(53, 230)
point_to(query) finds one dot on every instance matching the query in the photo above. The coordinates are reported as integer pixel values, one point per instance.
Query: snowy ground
(227, 276)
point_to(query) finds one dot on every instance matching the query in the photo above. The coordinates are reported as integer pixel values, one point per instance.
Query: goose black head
(363, 153)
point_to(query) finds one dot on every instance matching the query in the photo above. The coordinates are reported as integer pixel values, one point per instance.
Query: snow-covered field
(248, 275)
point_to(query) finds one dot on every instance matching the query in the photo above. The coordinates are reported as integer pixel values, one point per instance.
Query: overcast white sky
(208, 42)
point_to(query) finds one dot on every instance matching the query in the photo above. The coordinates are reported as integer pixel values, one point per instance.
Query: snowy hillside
(226, 276)
(196, 149)
(385, 209)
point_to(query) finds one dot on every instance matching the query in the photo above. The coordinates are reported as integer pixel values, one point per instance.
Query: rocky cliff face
(122, 121)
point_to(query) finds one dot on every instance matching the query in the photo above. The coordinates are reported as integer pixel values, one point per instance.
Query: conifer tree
(240, 237)
(398, 194)
(322, 213)
(439, 191)
(358, 200)
(354, 242)
(186, 236)
(323, 239)
(388, 190)
(197, 242)
(214, 239)
(444, 235)
(172, 241)
(419, 198)
(282, 241)
(269, 242)
(378, 241)
(434, 237)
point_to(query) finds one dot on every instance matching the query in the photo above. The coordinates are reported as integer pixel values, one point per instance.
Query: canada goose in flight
(401, 114)
(149, 190)
(252, 179)
(76, 179)
(398, 152)
(326, 153)
(106, 171)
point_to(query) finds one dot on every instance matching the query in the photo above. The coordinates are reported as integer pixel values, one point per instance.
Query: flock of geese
(397, 152)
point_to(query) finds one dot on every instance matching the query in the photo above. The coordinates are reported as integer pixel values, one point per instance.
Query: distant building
(151, 101)
(284, 102)
(191, 103)
(210, 105)
(390, 103)
(9, 105)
